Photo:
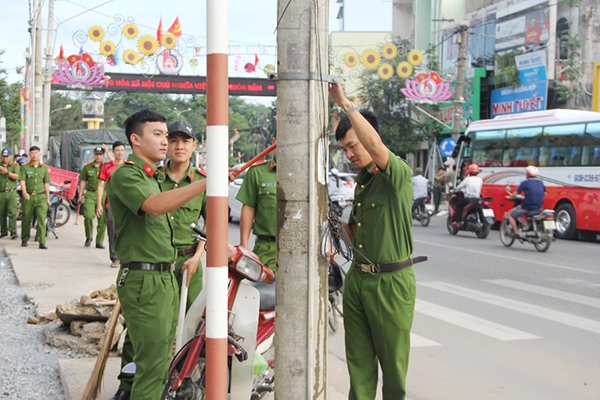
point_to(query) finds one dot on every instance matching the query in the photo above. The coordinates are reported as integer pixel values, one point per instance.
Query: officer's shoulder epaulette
(127, 162)
(87, 163)
(201, 171)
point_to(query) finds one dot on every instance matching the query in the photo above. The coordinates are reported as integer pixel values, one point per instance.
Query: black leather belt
(8, 190)
(266, 238)
(88, 190)
(374, 269)
(138, 266)
(183, 252)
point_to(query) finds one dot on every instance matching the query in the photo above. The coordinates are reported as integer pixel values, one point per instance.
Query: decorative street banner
(177, 84)
(531, 66)
(427, 86)
(530, 97)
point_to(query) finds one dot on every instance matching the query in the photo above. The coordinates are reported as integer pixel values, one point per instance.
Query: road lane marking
(575, 298)
(471, 322)
(420, 341)
(526, 308)
(519, 260)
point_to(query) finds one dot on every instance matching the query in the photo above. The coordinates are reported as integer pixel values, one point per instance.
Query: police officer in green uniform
(258, 195)
(88, 183)
(146, 285)
(380, 288)
(9, 174)
(35, 188)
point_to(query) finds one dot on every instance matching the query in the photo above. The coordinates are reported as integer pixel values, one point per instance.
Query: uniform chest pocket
(156, 222)
(267, 197)
(372, 213)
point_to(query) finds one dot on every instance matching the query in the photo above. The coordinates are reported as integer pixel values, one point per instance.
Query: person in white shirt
(420, 184)
(471, 186)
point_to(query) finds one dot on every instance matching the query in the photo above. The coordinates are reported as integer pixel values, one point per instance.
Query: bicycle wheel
(332, 315)
(62, 215)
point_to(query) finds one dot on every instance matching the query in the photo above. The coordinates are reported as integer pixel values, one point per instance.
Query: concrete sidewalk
(68, 270)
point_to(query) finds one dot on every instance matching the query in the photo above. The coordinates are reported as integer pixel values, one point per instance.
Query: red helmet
(473, 169)
(532, 171)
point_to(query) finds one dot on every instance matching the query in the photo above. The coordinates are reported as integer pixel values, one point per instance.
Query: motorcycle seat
(420, 199)
(533, 213)
(267, 295)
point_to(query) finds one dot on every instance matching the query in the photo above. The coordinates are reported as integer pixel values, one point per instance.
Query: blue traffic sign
(446, 147)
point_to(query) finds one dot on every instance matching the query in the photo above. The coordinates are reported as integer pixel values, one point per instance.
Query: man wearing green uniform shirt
(35, 188)
(88, 182)
(380, 288)
(9, 174)
(146, 285)
(258, 195)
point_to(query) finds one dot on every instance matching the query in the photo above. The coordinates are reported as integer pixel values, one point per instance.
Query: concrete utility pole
(47, 72)
(38, 105)
(302, 145)
(460, 83)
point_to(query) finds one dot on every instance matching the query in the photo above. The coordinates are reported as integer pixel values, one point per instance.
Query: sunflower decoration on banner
(404, 69)
(351, 59)
(131, 31)
(389, 51)
(415, 57)
(168, 40)
(371, 59)
(385, 71)
(131, 57)
(107, 48)
(194, 62)
(96, 33)
(147, 45)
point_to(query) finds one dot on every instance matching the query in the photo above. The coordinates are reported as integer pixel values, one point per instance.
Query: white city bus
(563, 144)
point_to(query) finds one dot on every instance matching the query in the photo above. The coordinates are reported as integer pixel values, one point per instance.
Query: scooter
(538, 227)
(477, 217)
(251, 333)
(420, 211)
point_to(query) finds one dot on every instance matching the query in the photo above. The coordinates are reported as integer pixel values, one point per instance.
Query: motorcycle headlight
(250, 268)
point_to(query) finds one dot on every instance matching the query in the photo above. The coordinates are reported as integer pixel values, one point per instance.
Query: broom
(92, 389)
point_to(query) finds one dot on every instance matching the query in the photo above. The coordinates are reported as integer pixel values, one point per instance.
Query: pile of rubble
(79, 326)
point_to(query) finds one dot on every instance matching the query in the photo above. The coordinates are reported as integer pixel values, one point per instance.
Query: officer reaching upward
(9, 174)
(35, 187)
(88, 183)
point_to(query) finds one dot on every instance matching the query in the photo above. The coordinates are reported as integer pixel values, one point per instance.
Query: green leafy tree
(10, 108)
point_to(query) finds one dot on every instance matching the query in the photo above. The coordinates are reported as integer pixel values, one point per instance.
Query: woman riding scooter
(471, 186)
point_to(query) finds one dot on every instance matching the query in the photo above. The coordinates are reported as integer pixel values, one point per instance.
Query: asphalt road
(499, 323)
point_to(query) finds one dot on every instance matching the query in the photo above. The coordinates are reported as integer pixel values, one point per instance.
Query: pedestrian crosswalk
(487, 326)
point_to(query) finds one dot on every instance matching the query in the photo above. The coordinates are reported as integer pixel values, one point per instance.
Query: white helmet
(532, 171)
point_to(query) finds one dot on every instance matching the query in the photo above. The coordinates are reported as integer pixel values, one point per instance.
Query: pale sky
(251, 24)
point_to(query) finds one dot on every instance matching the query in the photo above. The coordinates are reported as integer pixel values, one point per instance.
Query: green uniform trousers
(150, 301)
(193, 291)
(266, 252)
(8, 210)
(36, 203)
(89, 214)
(378, 315)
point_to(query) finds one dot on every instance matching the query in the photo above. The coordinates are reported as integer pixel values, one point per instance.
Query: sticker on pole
(446, 147)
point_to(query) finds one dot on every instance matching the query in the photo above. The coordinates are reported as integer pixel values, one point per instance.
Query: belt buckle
(368, 268)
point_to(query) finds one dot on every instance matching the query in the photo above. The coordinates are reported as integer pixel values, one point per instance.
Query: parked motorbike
(337, 202)
(420, 211)
(538, 227)
(477, 216)
(251, 333)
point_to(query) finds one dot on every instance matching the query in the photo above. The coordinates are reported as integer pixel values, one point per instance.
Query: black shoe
(14, 236)
(3, 235)
(43, 246)
(100, 246)
(88, 242)
(121, 395)
(24, 244)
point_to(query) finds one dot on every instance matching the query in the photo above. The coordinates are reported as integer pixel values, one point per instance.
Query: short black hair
(117, 144)
(344, 125)
(32, 148)
(133, 123)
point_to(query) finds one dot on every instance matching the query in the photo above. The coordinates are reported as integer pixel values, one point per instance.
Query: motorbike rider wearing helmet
(534, 191)
(471, 186)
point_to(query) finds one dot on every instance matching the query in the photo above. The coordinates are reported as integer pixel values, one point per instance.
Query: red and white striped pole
(217, 111)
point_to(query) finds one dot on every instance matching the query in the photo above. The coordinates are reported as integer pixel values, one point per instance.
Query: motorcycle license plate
(488, 213)
(429, 208)
(550, 225)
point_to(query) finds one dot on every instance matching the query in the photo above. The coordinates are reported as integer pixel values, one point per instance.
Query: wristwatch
(351, 109)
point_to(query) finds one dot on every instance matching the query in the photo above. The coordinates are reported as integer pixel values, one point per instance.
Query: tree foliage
(10, 108)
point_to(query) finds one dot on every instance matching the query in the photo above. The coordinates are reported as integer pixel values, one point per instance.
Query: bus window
(560, 145)
(523, 146)
(488, 147)
(591, 149)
